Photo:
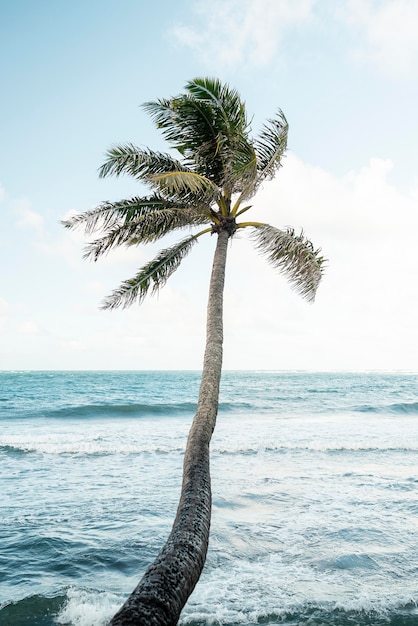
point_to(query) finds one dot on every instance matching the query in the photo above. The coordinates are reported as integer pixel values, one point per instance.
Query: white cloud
(390, 30)
(28, 328)
(72, 345)
(232, 32)
(2, 193)
(4, 314)
(27, 218)
(365, 312)
(167, 331)
(4, 307)
(361, 205)
(241, 30)
(364, 316)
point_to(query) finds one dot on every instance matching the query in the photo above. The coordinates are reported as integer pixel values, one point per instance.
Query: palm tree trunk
(167, 584)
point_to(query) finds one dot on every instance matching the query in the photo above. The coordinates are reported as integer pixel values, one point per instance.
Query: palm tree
(219, 170)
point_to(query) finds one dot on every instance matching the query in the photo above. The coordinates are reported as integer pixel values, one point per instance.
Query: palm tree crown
(219, 170)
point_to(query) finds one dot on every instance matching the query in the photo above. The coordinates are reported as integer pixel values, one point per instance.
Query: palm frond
(90, 219)
(185, 123)
(181, 182)
(209, 109)
(233, 147)
(141, 164)
(145, 228)
(208, 126)
(109, 214)
(226, 101)
(293, 255)
(243, 171)
(151, 276)
(271, 145)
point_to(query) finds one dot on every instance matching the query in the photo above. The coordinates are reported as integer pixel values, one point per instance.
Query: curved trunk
(167, 584)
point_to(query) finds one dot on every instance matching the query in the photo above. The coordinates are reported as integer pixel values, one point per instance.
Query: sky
(345, 73)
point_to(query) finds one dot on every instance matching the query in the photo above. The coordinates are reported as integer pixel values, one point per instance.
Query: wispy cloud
(232, 32)
(5, 315)
(28, 328)
(27, 218)
(390, 33)
(235, 31)
(366, 304)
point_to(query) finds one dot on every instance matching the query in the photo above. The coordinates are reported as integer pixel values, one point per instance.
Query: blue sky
(73, 77)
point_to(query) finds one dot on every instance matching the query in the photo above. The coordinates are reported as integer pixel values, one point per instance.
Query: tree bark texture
(167, 584)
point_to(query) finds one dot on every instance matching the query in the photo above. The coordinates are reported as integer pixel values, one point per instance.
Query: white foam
(88, 608)
(248, 592)
(92, 438)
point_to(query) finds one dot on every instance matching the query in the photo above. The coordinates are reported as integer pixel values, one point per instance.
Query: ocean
(314, 478)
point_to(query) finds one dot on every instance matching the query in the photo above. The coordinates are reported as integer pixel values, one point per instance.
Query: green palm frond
(185, 123)
(109, 214)
(271, 145)
(232, 143)
(151, 276)
(208, 126)
(101, 216)
(226, 101)
(181, 182)
(142, 164)
(207, 112)
(145, 228)
(243, 177)
(293, 255)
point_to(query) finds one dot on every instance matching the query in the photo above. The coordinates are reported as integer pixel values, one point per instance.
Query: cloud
(364, 316)
(4, 314)
(390, 29)
(365, 311)
(362, 204)
(72, 345)
(28, 328)
(2, 193)
(4, 307)
(27, 218)
(232, 32)
(235, 31)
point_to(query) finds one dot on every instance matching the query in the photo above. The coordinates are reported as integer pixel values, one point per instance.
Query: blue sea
(315, 495)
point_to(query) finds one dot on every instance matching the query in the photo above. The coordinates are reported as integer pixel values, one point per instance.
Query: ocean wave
(12, 450)
(36, 610)
(134, 410)
(89, 607)
(99, 447)
(122, 410)
(349, 562)
(312, 448)
(400, 408)
(73, 607)
(87, 448)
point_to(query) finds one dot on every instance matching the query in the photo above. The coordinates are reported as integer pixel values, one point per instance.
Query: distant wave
(122, 410)
(315, 448)
(401, 408)
(12, 450)
(237, 406)
(134, 410)
(98, 447)
(89, 448)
